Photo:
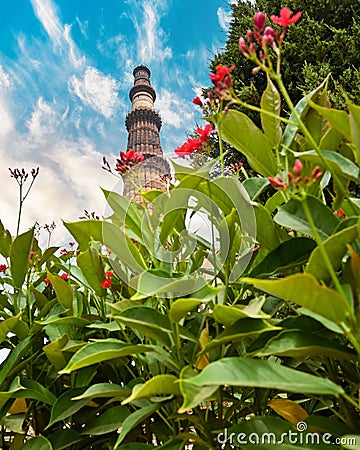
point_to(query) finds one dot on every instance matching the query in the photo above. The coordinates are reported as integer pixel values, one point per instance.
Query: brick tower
(143, 124)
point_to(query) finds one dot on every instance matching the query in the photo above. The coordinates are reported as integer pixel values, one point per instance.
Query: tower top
(142, 94)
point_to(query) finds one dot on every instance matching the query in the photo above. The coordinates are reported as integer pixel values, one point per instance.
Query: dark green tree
(325, 41)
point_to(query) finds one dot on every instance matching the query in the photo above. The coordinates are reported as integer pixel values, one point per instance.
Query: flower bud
(243, 46)
(259, 20)
(298, 167)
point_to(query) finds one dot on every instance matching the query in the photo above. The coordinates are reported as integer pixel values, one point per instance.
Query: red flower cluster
(3, 268)
(222, 81)
(295, 177)
(127, 161)
(266, 36)
(108, 281)
(64, 276)
(195, 144)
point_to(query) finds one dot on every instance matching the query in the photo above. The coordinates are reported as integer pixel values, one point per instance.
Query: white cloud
(96, 90)
(5, 82)
(47, 14)
(44, 121)
(224, 18)
(151, 36)
(45, 11)
(173, 109)
(68, 168)
(75, 58)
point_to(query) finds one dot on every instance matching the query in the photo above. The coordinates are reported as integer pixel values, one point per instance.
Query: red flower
(108, 281)
(64, 276)
(3, 268)
(340, 213)
(47, 281)
(204, 133)
(197, 101)
(259, 20)
(221, 73)
(127, 160)
(194, 144)
(285, 18)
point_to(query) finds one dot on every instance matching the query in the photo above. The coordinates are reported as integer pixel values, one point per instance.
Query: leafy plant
(148, 333)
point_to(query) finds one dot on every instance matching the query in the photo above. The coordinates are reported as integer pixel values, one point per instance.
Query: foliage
(149, 334)
(324, 41)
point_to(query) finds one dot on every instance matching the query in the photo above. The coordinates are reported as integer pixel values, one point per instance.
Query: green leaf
(255, 186)
(35, 391)
(301, 109)
(182, 306)
(228, 315)
(275, 201)
(63, 439)
(157, 386)
(240, 132)
(355, 129)
(54, 352)
(6, 395)
(193, 395)
(5, 241)
(104, 390)
(127, 212)
(268, 233)
(14, 422)
(100, 351)
(14, 358)
(91, 266)
(287, 255)
(65, 406)
(292, 215)
(239, 330)
(122, 246)
(174, 443)
(337, 118)
(135, 419)
(160, 283)
(271, 101)
(297, 344)
(19, 257)
(37, 443)
(338, 163)
(63, 290)
(238, 371)
(85, 231)
(107, 422)
(8, 325)
(312, 295)
(148, 321)
(336, 248)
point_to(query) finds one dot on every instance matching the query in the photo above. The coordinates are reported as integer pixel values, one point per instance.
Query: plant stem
(308, 135)
(221, 148)
(322, 249)
(20, 209)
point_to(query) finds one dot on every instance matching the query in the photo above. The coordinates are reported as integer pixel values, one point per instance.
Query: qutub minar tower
(143, 124)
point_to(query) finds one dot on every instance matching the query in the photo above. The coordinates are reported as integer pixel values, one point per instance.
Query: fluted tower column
(143, 124)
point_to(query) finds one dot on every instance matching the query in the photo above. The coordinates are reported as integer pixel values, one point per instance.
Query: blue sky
(65, 73)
